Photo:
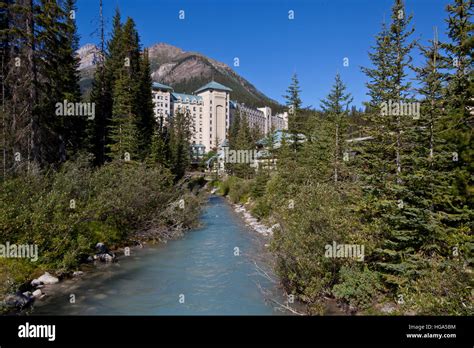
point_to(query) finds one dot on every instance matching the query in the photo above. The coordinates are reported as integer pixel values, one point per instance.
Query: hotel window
(200, 109)
(210, 102)
(194, 108)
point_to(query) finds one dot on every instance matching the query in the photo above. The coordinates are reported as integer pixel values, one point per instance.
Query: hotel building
(211, 113)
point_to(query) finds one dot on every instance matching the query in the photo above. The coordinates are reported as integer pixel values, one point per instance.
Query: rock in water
(19, 300)
(104, 254)
(37, 293)
(36, 283)
(105, 257)
(101, 248)
(48, 279)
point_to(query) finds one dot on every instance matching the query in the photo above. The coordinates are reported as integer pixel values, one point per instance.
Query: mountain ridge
(184, 71)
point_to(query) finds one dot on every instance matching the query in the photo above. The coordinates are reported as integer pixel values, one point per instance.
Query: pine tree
(387, 159)
(294, 103)
(455, 196)
(75, 128)
(146, 122)
(336, 107)
(57, 43)
(22, 117)
(123, 132)
(180, 137)
(4, 58)
(112, 61)
(244, 141)
(459, 94)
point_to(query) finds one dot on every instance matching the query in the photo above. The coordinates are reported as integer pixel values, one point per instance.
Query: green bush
(444, 288)
(358, 287)
(223, 188)
(261, 208)
(317, 216)
(239, 190)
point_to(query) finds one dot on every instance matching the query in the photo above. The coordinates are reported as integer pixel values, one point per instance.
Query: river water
(210, 271)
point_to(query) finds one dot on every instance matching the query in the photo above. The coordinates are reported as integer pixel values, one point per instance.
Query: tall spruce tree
(457, 125)
(336, 109)
(111, 62)
(146, 122)
(123, 131)
(294, 104)
(22, 117)
(389, 207)
(180, 137)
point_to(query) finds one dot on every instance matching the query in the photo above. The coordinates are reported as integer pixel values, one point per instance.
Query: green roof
(213, 85)
(156, 85)
(186, 98)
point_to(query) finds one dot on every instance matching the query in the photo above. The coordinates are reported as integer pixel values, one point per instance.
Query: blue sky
(269, 45)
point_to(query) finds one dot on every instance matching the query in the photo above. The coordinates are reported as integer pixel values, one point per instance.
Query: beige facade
(261, 118)
(211, 112)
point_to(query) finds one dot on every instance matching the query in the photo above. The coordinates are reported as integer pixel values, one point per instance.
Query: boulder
(36, 283)
(48, 279)
(37, 293)
(388, 307)
(19, 300)
(104, 254)
(101, 248)
(77, 274)
(105, 257)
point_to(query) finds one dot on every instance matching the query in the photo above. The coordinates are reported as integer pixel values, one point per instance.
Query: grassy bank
(66, 212)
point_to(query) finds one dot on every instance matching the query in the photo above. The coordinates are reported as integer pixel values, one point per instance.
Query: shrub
(444, 288)
(358, 287)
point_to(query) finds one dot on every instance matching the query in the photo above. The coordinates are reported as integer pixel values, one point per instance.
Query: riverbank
(66, 214)
(219, 268)
(266, 230)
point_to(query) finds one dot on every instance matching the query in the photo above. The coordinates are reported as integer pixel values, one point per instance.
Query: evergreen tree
(123, 132)
(389, 206)
(336, 108)
(244, 141)
(180, 137)
(112, 61)
(459, 94)
(294, 103)
(57, 43)
(146, 122)
(22, 117)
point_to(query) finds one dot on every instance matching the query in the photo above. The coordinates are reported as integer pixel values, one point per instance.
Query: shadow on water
(199, 274)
